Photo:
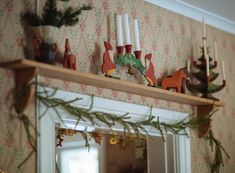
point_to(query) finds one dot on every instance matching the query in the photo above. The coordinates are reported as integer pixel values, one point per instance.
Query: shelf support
(24, 95)
(203, 111)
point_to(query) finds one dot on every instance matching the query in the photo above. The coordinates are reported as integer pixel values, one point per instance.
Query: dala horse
(175, 81)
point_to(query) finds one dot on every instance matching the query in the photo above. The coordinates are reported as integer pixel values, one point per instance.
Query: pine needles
(53, 16)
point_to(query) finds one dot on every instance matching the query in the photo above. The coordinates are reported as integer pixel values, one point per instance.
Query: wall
(171, 38)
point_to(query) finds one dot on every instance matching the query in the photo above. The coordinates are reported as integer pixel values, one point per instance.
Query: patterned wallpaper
(171, 38)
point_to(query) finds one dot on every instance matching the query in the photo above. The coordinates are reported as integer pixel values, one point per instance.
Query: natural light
(79, 160)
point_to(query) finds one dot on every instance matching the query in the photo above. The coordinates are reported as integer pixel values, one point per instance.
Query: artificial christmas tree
(204, 84)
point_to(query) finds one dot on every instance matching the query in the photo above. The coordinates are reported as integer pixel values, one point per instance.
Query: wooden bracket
(24, 95)
(203, 111)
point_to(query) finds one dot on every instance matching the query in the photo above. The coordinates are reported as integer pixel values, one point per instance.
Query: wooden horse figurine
(69, 58)
(175, 81)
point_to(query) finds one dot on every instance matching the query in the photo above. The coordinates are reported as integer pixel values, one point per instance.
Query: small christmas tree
(204, 84)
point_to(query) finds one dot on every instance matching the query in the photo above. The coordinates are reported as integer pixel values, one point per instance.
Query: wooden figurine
(108, 66)
(69, 58)
(175, 81)
(149, 75)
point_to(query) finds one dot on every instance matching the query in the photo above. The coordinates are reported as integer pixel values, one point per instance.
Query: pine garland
(110, 120)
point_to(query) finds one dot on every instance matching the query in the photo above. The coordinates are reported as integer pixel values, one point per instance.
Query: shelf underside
(109, 83)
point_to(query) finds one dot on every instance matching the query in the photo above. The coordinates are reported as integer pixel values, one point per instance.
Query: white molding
(137, 112)
(196, 14)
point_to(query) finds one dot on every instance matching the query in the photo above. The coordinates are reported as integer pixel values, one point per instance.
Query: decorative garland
(129, 127)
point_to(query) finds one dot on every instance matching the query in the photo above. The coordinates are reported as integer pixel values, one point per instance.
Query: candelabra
(132, 61)
(205, 76)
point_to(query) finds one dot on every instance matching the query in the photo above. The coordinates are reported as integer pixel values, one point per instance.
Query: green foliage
(97, 118)
(53, 16)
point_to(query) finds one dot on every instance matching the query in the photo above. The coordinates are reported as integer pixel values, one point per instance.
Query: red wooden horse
(175, 81)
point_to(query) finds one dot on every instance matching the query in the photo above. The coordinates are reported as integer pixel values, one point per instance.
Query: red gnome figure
(69, 58)
(149, 75)
(108, 66)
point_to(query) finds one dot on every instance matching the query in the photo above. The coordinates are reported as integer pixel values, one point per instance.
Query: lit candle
(127, 29)
(215, 51)
(137, 36)
(119, 30)
(188, 66)
(223, 72)
(204, 27)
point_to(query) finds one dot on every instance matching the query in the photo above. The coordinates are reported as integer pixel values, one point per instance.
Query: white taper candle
(137, 36)
(119, 30)
(223, 72)
(207, 66)
(204, 27)
(188, 66)
(215, 51)
(127, 29)
(206, 58)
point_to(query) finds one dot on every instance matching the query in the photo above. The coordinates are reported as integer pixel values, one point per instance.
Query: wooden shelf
(104, 82)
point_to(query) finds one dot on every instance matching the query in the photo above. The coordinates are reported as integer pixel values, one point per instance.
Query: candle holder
(205, 85)
(130, 60)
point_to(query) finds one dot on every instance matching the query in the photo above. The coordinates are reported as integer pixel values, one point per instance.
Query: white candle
(207, 66)
(204, 27)
(127, 29)
(188, 66)
(137, 36)
(215, 51)
(119, 30)
(206, 58)
(223, 72)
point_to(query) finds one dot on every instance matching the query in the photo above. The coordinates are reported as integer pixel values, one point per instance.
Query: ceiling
(217, 13)
(222, 8)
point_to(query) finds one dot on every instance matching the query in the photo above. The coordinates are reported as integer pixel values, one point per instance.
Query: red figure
(108, 66)
(175, 81)
(149, 75)
(69, 58)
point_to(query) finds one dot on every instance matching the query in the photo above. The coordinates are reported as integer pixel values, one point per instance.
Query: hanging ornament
(113, 140)
(70, 132)
(97, 137)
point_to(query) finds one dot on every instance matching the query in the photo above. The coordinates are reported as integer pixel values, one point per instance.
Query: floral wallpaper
(171, 38)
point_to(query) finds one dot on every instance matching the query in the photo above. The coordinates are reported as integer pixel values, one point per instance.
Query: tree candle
(215, 51)
(119, 30)
(223, 72)
(127, 29)
(204, 27)
(137, 36)
(188, 66)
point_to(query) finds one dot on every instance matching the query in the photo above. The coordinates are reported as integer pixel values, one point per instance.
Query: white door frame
(46, 127)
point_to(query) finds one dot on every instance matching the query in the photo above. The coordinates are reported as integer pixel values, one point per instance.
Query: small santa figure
(108, 66)
(149, 75)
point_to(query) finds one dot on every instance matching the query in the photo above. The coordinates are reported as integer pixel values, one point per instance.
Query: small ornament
(108, 66)
(1, 171)
(70, 132)
(113, 140)
(69, 58)
(44, 52)
(175, 81)
(97, 137)
(149, 75)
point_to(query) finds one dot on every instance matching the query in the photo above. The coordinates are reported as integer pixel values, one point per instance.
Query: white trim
(137, 112)
(196, 13)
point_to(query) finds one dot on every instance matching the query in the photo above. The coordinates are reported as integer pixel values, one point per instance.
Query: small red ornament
(108, 66)
(175, 81)
(152, 80)
(69, 58)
